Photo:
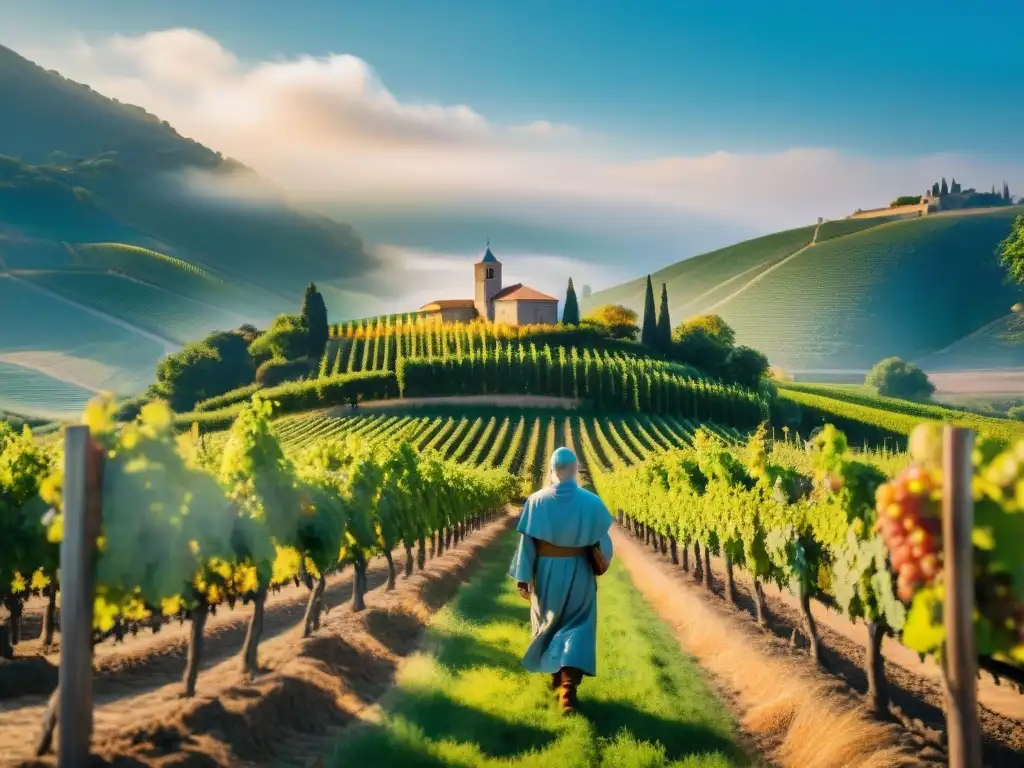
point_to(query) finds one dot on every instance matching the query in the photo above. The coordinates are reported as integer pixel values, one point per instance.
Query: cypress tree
(314, 318)
(664, 322)
(571, 310)
(649, 332)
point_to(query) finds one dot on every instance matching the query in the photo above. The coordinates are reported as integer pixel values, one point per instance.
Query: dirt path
(513, 401)
(915, 686)
(309, 688)
(797, 716)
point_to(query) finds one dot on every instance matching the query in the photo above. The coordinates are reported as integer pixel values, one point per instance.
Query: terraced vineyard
(146, 306)
(174, 274)
(869, 289)
(700, 281)
(843, 227)
(517, 440)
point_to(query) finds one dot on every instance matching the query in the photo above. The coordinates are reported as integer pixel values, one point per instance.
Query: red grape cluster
(910, 521)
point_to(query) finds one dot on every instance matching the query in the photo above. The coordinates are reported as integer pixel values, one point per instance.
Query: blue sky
(704, 76)
(677, 126)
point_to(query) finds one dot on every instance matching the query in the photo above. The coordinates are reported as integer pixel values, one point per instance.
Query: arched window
(490, 273)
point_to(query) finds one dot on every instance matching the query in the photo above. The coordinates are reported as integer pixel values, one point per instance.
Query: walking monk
(556, 572)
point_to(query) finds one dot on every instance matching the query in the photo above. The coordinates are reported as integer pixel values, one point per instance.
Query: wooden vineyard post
(82, 488)
(961, 661)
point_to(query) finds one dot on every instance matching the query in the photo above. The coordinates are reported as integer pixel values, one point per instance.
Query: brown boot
(571, 678)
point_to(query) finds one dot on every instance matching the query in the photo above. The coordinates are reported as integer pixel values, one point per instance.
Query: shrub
(905, 200)
(234, 396)
(303, 395)
(895, 378)
(1017, 412)
(278, 371)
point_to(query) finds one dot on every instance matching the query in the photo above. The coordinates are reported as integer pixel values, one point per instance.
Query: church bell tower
(487, 279)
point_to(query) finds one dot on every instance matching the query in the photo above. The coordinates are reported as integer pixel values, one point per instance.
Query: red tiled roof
(520, 292)
(437, 306)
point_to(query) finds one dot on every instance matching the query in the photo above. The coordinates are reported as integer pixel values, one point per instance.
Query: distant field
(23, 390)
(154, 309)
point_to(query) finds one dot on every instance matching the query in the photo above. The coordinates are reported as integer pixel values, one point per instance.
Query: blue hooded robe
(563, 594)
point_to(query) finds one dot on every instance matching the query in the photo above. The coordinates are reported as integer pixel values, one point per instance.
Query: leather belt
(546, 549)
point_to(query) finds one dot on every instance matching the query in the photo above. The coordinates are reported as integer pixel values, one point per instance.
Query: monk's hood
(565, 515)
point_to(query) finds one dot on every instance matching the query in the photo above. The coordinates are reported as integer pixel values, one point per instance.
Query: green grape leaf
(923, 631)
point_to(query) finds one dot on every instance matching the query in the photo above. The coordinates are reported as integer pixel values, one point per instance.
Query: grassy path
(468, 702)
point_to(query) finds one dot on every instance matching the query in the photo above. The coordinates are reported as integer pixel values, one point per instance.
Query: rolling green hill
(871, 289)
(996, 345)
(112, 257)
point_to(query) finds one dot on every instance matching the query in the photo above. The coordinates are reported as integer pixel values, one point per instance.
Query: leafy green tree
(571, 310)
(705, 343)
(1011, 251)
(213, 366)
(895, 378)
(664, 321)
(649, 333)
(712, 325)
(286, 339)
(746, 366)
(620, 321)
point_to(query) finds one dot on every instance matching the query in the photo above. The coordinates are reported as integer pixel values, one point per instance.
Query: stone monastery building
(515, 305)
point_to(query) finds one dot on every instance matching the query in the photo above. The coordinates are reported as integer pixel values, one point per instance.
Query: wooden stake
(961, 659)
(82, 487)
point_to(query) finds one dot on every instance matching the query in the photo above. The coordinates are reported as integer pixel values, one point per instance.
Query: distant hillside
(866, 290)
(106, 249)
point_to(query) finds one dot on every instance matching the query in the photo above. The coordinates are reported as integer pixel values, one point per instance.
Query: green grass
(469, 702)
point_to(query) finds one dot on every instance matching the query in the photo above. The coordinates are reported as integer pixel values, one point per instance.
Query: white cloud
(329, 131)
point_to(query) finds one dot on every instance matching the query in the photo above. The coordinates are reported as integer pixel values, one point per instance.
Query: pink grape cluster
(910, 522)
